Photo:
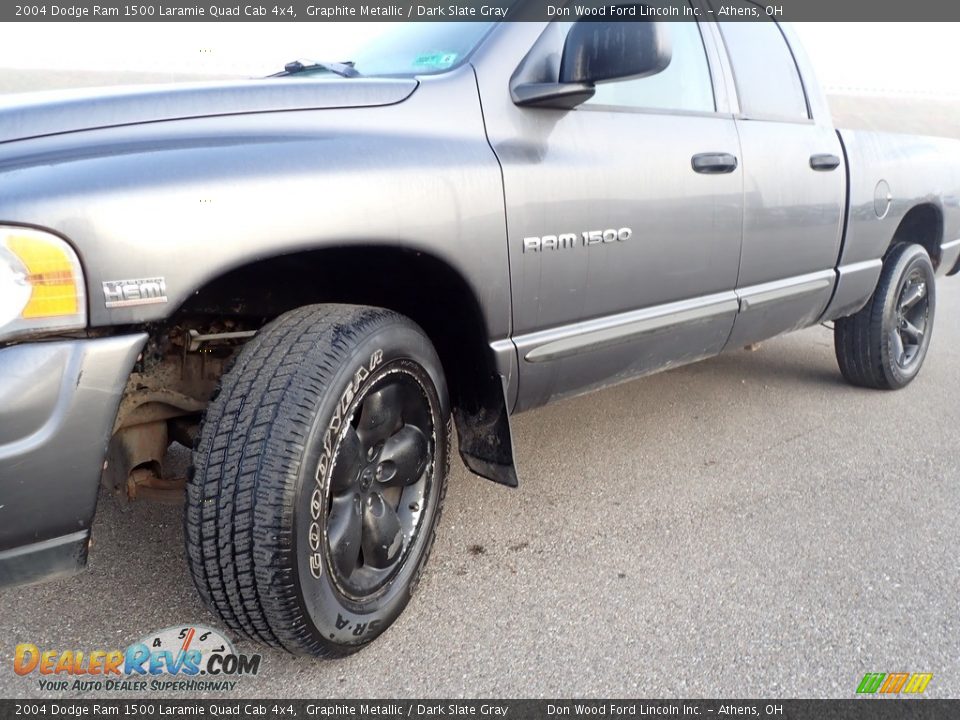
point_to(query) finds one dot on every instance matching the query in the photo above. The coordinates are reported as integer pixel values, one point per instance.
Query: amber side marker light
(41, 284)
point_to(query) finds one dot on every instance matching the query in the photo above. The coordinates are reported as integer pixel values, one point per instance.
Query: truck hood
(31, 115)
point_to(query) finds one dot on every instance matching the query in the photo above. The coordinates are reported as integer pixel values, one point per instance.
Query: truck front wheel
(883, 346)
(319, 476)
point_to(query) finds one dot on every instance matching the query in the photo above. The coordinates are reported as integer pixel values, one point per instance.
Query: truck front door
(623, 221)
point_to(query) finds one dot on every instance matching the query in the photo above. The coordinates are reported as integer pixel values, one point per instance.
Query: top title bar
(478, 10)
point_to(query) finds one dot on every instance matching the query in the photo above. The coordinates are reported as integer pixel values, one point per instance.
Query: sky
(881, 58)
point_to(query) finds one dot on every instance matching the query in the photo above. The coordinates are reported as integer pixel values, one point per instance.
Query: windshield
(419, 48)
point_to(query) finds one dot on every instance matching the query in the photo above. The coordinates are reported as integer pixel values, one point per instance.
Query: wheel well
(923, 225)
(185, 356)
(415, 284)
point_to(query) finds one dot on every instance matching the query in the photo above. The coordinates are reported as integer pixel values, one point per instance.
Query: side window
(768, 82)
(685, 84)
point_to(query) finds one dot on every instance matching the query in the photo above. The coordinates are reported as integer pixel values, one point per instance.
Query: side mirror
(599, 51)
(596, 52)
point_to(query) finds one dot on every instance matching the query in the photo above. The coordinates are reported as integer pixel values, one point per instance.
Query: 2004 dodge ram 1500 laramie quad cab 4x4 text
(312, 278)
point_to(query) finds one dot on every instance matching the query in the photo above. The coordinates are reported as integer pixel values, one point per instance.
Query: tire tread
(858, 338)
(240, 491)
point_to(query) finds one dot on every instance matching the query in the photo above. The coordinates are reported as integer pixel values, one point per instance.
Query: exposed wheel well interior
(187, 354)
(923, 224)
(414, 284)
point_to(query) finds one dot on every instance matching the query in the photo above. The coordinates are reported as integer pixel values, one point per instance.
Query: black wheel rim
(379, 481)
(911, 320)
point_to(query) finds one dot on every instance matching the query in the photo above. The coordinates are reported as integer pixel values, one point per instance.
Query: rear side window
(768, 82)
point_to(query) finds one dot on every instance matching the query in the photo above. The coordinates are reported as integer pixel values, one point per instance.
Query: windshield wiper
(344, 69)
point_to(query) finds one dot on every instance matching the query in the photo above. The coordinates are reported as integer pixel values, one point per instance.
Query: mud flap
(486, 443)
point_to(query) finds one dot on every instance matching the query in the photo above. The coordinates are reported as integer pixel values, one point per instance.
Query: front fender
(188, 200)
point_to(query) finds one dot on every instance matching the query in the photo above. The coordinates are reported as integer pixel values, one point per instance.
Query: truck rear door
(794, 185)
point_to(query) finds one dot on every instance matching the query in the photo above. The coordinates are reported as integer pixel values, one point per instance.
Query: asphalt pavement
(746, 526)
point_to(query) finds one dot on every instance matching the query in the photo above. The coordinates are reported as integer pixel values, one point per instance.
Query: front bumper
(58, 403)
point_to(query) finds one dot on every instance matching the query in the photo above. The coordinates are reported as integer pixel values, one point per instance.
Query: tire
(333, 422)
(879, 347)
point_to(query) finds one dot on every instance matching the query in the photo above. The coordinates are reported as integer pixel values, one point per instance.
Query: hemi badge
(126, 293)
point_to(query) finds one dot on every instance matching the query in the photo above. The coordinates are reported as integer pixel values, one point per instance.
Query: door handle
(824, 162)
(714, 163)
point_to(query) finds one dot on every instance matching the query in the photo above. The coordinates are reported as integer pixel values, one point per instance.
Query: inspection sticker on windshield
(437, 60)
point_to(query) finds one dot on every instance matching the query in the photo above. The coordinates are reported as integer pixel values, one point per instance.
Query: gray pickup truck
(312, 278)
